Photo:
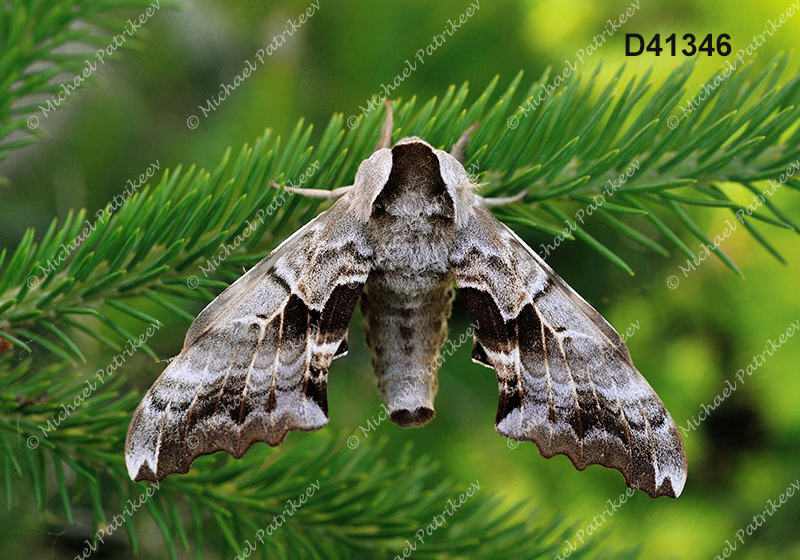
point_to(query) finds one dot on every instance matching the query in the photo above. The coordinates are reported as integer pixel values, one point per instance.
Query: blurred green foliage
(691, 338)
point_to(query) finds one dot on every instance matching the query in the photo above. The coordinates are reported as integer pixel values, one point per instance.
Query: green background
(690, 339)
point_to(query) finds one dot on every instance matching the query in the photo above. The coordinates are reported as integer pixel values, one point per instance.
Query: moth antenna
(386, 129)
(335, 194)
(502, 200)
(457, 151)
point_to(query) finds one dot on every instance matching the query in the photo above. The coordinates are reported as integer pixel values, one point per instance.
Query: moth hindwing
(255, 362)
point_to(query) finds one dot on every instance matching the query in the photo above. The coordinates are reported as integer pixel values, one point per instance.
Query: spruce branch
(204, 227)
(181, 241)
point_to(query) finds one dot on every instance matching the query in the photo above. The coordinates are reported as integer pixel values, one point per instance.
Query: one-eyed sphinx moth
(254, 364)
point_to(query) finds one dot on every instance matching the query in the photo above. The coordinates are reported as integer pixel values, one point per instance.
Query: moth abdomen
(406, 335)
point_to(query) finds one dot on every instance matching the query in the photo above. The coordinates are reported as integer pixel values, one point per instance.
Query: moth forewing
(255, 361)
(565, 377)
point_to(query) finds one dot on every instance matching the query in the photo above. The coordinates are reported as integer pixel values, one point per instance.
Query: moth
(254, 363)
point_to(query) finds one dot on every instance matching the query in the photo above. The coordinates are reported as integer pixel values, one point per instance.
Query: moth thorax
(412, 225)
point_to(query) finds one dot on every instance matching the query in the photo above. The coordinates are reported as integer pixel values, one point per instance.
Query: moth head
(451, 170)
(374, 172)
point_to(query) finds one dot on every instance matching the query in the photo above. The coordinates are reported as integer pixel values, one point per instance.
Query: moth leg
(503, 200)
(457, 151)
(386, 129)
(335, 194)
